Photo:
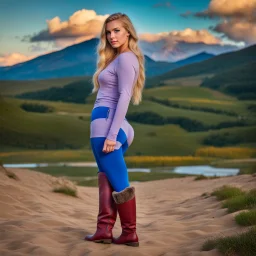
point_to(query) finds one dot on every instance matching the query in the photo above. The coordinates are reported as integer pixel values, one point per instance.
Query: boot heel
(134, 244)
(104, 241)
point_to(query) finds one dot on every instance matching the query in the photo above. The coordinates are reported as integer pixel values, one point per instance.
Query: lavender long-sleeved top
(116, 86)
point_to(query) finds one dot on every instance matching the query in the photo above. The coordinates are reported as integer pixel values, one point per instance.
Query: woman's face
(116, 34)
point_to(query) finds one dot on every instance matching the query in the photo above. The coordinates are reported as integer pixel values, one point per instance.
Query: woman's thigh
(112, 163)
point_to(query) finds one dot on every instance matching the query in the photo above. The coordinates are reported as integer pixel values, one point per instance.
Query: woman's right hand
(109, 146)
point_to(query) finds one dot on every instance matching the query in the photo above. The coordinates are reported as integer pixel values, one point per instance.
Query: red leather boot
(107, 212)
(126, 207)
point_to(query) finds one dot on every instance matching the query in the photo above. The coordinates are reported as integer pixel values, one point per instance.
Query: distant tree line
(75, 92)
(36, 107)
(228, 138)
(220, 140)
(169, 103)
(187, 124)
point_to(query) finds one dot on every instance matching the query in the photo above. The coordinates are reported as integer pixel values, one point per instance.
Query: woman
(119, 78)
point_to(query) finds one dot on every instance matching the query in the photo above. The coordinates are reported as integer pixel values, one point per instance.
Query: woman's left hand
(109, 146)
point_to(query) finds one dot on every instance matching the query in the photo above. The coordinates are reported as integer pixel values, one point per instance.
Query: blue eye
(116, 30)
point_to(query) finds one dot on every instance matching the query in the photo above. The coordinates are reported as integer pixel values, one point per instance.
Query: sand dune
(173, 218)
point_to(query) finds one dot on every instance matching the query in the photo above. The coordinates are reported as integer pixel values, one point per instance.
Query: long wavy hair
(107, 53)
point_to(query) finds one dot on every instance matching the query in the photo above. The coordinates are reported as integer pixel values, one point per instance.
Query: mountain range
(80, 60)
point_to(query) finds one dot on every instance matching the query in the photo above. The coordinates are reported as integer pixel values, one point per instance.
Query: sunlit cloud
(237, 18)
(14, 58)
(238, 30)
(188, 35)
(230, 8)
(81, 26)
(176, 45)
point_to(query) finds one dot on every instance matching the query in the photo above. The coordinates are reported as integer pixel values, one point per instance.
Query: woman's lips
(113, 42)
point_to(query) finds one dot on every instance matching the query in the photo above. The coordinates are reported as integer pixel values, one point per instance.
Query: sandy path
(173, 218)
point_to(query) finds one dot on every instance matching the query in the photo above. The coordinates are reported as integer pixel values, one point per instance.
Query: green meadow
(13, 88)
(63, 135)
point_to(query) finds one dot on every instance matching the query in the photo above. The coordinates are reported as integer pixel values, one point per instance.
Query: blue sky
(28, 17)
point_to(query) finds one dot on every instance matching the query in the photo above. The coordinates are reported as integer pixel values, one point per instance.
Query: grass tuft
(65, 186)
(210, 244)
(241, 244)
(240, 202)
(8, 173)
(12, 175)
(66, 190)
(247, 218)
(205, 194)
(226, 192)
(201, 177)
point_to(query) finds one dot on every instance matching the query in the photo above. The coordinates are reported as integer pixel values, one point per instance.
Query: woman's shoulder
(127, 58)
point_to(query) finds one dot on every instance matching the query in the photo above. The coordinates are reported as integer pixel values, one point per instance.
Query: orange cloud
(14, 58)
(188, 35)
(238, 18)
(238, 30)
(82, 25)
(231, 8)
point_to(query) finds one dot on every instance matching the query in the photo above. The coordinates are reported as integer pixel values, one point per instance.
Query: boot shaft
(127, 213)
(107, 207)
(126, 207)
(107, 212)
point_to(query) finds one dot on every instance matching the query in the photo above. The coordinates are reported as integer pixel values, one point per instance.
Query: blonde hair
(107, 53)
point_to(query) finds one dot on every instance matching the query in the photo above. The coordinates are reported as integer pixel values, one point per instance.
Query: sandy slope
(172, 217)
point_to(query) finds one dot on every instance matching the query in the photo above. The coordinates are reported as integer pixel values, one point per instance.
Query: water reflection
(194, 170)
(206, 170)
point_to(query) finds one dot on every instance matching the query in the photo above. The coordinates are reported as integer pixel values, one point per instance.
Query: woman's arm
(126, 74)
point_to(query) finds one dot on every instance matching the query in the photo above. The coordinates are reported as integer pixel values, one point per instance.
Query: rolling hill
(220, 63)
(239, 81)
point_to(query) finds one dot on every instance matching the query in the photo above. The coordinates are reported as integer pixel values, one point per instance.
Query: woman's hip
(101, 120)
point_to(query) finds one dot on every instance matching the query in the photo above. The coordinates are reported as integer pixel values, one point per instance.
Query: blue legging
(113, 163)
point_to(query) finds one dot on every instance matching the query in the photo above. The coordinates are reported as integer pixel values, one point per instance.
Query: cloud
(188, 35)
(162, 51)
(232, 8)
(163, 4)
(186, 14)
(37, 48)
(82, 25)
(13, 58)
(238, 30)
(176, 45)
(16, 57)
(237, 18)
